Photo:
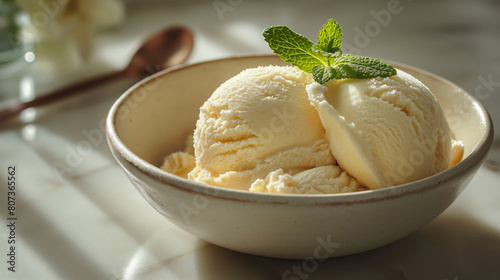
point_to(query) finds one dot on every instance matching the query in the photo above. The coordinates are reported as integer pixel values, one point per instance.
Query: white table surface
(86, 221)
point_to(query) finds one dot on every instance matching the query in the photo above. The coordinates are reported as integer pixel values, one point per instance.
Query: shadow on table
(59, 253)
(444, 249)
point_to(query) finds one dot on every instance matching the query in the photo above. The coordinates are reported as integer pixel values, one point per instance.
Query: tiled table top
(78, 216)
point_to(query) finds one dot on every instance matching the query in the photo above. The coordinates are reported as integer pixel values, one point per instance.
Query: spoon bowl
(164, 49)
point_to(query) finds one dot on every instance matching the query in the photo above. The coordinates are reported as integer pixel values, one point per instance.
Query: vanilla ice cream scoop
(384, 131)
(257, 122)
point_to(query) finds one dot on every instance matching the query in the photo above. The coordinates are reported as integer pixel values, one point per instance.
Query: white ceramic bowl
(153, 118)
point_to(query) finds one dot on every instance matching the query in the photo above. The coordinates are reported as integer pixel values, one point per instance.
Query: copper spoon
(164, 49)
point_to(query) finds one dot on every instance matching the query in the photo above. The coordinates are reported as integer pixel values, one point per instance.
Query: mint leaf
(330, 36)
(292, 47)
(332, 53)
(324, 59)
(351, 66)
(323, 73)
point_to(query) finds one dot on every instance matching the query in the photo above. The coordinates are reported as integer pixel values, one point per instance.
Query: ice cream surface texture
(182, 162)
(273, 129)
(257, 122)
(384, 131)
(318, 180)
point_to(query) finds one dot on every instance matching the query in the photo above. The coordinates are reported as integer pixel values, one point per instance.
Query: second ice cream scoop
(384, 131)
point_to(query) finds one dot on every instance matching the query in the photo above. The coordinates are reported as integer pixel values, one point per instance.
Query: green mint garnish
(323, 73)
(330, 36)
(292, 47)
(324, 60)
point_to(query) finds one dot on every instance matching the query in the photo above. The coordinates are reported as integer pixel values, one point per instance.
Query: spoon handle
(15, 109)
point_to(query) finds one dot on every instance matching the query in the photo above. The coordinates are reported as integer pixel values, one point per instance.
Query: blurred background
(48, 44)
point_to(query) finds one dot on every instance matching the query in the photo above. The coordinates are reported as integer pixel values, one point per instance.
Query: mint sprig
(324, 60)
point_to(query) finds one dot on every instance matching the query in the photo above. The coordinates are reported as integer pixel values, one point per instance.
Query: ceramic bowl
(153, 118)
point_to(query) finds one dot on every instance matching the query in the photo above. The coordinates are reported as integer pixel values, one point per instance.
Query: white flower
(61, 24)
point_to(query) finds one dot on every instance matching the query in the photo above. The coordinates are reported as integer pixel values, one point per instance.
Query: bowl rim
(121, 151)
